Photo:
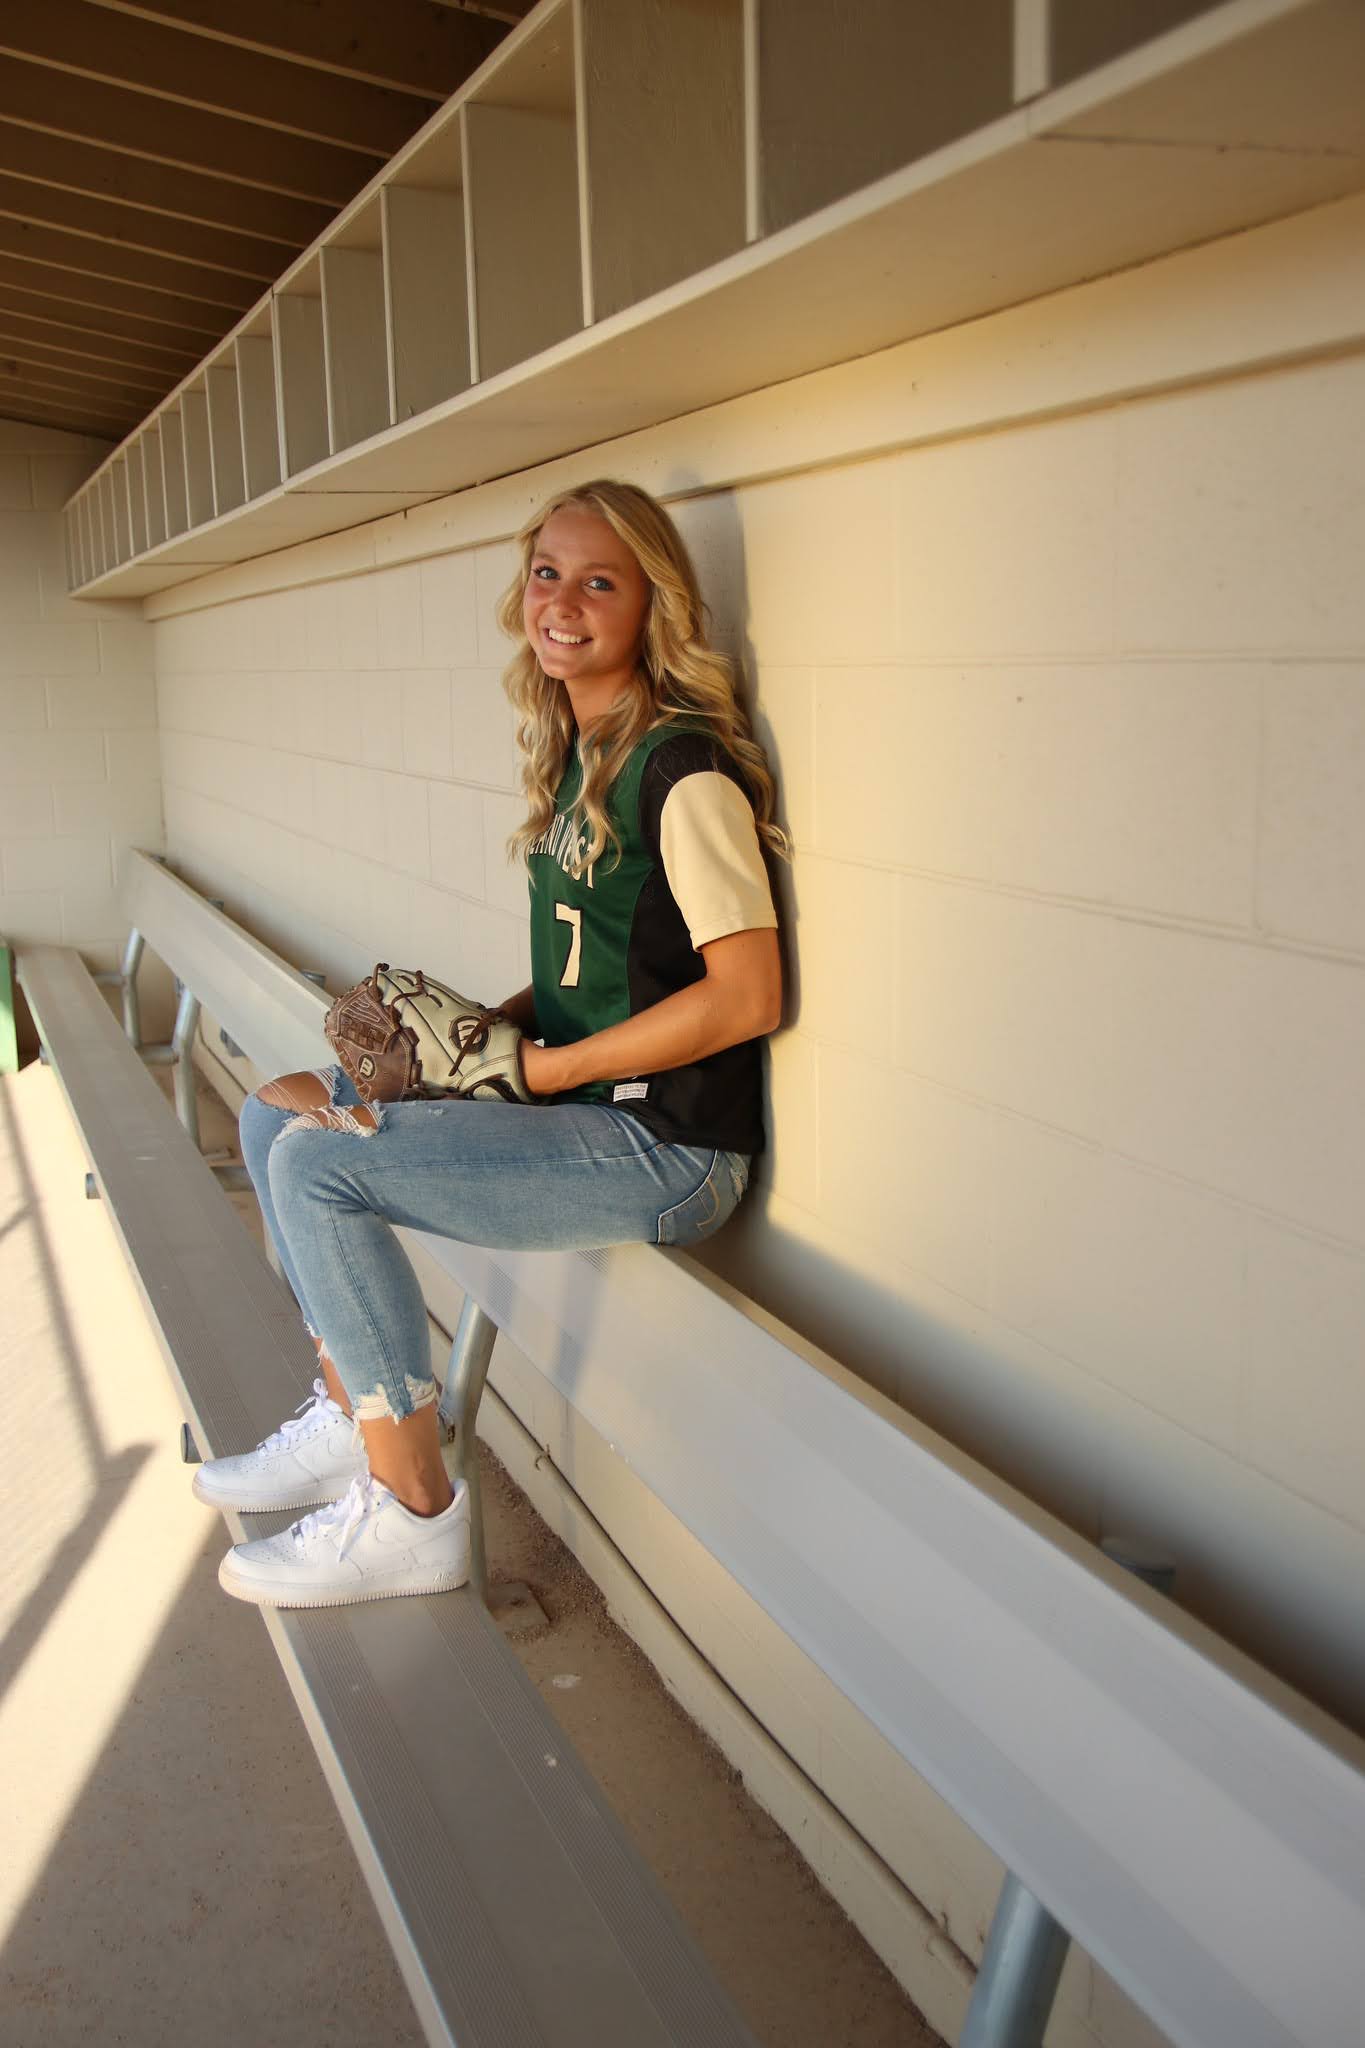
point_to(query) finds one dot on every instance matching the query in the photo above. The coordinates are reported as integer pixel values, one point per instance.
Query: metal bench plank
(519, 1913)
(227, 1326)
(1150, 1784)
(272, 1011)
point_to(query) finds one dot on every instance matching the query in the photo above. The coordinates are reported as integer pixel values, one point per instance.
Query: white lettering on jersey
(565, 847)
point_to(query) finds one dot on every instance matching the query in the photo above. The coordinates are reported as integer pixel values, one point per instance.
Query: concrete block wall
(80, 768)
(1056, 631)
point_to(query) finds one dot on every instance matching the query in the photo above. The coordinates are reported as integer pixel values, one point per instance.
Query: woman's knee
(295, 1092)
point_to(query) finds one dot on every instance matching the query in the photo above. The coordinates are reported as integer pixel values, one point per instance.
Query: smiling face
(584, 608)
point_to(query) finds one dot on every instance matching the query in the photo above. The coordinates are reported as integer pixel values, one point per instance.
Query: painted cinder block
(398, 610)
(1241, 523)
(1006, 542)
(322, 626)
(819, 557)
(134, 753)
(26, 810)
(909, 766)
(27, 543)
(483, 728)
(1130, 784)
(784, 724)
(367, 718)
(504, 878)
(47, 650)
(495, 569)
(449, 601)
(278, 627)
(711, 530)
(425, 698)
(844, 943)
(92, 918)
(1310, 870)
(1139, 1278)
(457, 838)
(31, 916)
(908, 1168)
(1228, 1064)
(56, 476)
(791, 1163)
(437, 917)
(1278, 1574)
(1305, 1393)
(107, 702)
(44, 757)
(357, 616)
(16, 483)
(488, 964)
(126, 647)
(129, 811)
(23, 704)
(78, 861)
(407, 837)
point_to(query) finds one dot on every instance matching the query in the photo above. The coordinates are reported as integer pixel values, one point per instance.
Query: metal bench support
(470, 1353)
(1019, 1973)
(124, 979)
(512, 1603)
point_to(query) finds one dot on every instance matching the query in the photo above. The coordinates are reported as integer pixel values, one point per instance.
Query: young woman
(655, 974)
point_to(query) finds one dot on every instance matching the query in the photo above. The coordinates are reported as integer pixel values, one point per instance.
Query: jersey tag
(630, 1091)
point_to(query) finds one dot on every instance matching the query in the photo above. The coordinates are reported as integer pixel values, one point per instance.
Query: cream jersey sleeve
(709, 846)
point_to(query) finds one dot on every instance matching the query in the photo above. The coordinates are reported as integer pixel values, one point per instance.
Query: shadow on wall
(711, 525)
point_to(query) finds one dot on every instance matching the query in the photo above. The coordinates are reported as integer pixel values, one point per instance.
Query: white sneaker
(313, 1458)
(366, 1547)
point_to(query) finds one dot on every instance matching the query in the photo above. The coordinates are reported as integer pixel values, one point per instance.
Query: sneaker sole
(342, 1596)
(320, 1497)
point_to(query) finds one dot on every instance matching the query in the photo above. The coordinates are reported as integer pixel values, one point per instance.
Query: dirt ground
(175, 1872)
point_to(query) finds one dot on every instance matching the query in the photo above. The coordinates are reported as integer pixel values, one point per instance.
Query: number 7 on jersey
(568, 914)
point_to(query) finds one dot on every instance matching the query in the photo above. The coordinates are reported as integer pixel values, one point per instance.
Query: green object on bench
(9, 1046)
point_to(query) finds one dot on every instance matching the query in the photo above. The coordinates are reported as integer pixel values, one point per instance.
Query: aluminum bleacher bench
(1155, 1795)
(519, 1914)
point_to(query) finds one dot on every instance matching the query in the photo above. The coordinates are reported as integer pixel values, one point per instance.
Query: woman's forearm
(738, 998)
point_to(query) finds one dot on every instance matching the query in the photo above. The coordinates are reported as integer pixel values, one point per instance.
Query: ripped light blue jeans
(549, 1177)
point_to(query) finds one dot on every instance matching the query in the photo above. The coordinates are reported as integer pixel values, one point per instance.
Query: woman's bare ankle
(406, 1457)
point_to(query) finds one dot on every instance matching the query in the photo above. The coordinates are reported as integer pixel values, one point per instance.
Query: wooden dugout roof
(163, 161)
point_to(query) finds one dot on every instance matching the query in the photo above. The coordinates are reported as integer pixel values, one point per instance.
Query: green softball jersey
(613, 938)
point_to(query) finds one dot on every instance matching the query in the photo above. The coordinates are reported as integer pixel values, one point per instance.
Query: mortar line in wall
(1349, 655)
(1120, 913)
(1262, 942)
(1258, 796)
(1187, 1183)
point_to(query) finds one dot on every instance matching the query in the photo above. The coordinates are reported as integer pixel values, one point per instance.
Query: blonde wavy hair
(678, 677)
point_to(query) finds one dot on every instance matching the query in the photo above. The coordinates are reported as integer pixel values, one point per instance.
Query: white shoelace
(280, 1439)
(342, 1518)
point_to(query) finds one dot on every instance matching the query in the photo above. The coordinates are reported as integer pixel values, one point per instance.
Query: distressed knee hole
(302, 1092)
(360, 1122)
